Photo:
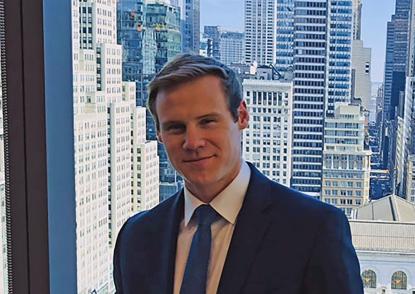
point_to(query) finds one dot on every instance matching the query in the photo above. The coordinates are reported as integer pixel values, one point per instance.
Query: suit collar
(251, 225)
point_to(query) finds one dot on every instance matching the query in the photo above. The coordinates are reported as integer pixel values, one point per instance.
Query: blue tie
(195, 274)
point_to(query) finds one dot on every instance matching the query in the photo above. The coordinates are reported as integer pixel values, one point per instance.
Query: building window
(399, 280)
(369, 279)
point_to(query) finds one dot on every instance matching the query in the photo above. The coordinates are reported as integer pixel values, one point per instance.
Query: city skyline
(374, 21)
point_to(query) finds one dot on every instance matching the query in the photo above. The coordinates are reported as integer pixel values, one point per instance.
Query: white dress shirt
(228, 204)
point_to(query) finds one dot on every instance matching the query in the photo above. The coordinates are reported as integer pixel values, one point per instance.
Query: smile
(197, 159)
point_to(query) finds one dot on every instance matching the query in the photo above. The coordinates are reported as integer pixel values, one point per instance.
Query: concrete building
(145, 165)
(104, 108)
(212, 36)
(383, 234)
(260, 30)
(410, 179)
(361, 70)
(231, 46)
(357, 19)
(346, 162)
(267, 140)
(91, 155)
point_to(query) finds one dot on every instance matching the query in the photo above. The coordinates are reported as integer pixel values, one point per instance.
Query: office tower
(361, 68)
(400, 124)
(267, 140)
(322, 77)
(396, 57)
(91, 156)
(260, 29)
(346, 162)
(138, 45)
(284, 35)
(212, 34)
(104, 130)
(191, 26)
(231, 47)
(165, 20)
(145, 165)
(357, 19)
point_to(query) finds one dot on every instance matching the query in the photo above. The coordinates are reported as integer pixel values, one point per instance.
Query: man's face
(202, 139)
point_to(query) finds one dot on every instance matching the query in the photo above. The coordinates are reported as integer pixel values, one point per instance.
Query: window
(399, 280)
(369, 279)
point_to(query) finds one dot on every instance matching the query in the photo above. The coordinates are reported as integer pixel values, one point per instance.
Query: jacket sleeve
(117, 263)
(333, 266)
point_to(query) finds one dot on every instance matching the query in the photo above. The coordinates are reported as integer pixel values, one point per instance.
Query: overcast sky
(230, 15)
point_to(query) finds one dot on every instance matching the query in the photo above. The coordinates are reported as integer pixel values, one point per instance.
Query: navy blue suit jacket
(284, 242)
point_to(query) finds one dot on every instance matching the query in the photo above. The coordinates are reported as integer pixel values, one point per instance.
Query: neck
(207, 192)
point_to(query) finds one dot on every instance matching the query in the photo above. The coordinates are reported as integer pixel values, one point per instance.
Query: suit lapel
(163, 278)
(251, 225)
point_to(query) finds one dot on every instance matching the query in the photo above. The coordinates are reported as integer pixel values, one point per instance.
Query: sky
(229, 14)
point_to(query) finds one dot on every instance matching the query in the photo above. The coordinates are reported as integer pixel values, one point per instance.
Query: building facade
(260, 30)
(231, 46)
(361, 70)
(346, 162)
(267, 140)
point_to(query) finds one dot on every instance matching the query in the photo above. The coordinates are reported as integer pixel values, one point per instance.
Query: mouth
(197, 159)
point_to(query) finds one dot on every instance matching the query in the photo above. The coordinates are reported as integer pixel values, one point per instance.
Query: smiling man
(230, 230)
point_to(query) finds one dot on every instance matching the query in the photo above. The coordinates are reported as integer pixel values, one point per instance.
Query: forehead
(202, 95)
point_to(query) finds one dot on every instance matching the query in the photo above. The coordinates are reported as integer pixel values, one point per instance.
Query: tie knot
(205, 215)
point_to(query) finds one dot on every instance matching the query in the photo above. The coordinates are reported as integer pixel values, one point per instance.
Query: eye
(207, 121)
(175, 128)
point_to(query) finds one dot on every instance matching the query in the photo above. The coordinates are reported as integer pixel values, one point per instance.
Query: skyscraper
(165, 20)
(260, 28)
(357, 19)
(191, 26)
(104, 108)
(396, 57)
(322, 77)
(346, 162)
(267, 140)
(231, 47)
(361, 69)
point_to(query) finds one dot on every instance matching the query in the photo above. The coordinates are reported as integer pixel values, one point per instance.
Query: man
(230, 230)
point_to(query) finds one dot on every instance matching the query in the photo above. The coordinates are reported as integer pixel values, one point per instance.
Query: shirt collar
(227, 203)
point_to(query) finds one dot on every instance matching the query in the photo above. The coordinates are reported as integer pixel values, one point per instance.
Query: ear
(159, 138)
(243, 115)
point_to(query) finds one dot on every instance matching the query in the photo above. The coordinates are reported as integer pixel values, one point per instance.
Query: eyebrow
(173, 122)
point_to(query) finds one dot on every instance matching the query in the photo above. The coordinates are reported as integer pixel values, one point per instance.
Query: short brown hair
(188, 67)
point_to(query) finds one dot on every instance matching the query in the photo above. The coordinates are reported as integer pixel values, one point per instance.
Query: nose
(193, 139)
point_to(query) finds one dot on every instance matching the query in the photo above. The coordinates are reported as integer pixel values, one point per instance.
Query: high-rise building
(191, 26)
(346, 162)
(322, 77)
(165, 20)
(145, 165)
(91, 155)
(138, 45)
(260, 29)
(267, 140)
(284, 35)
(361, 69)
(396, 56)
(212, 35)
(357, 19)
(231, 47)
(105, 132)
